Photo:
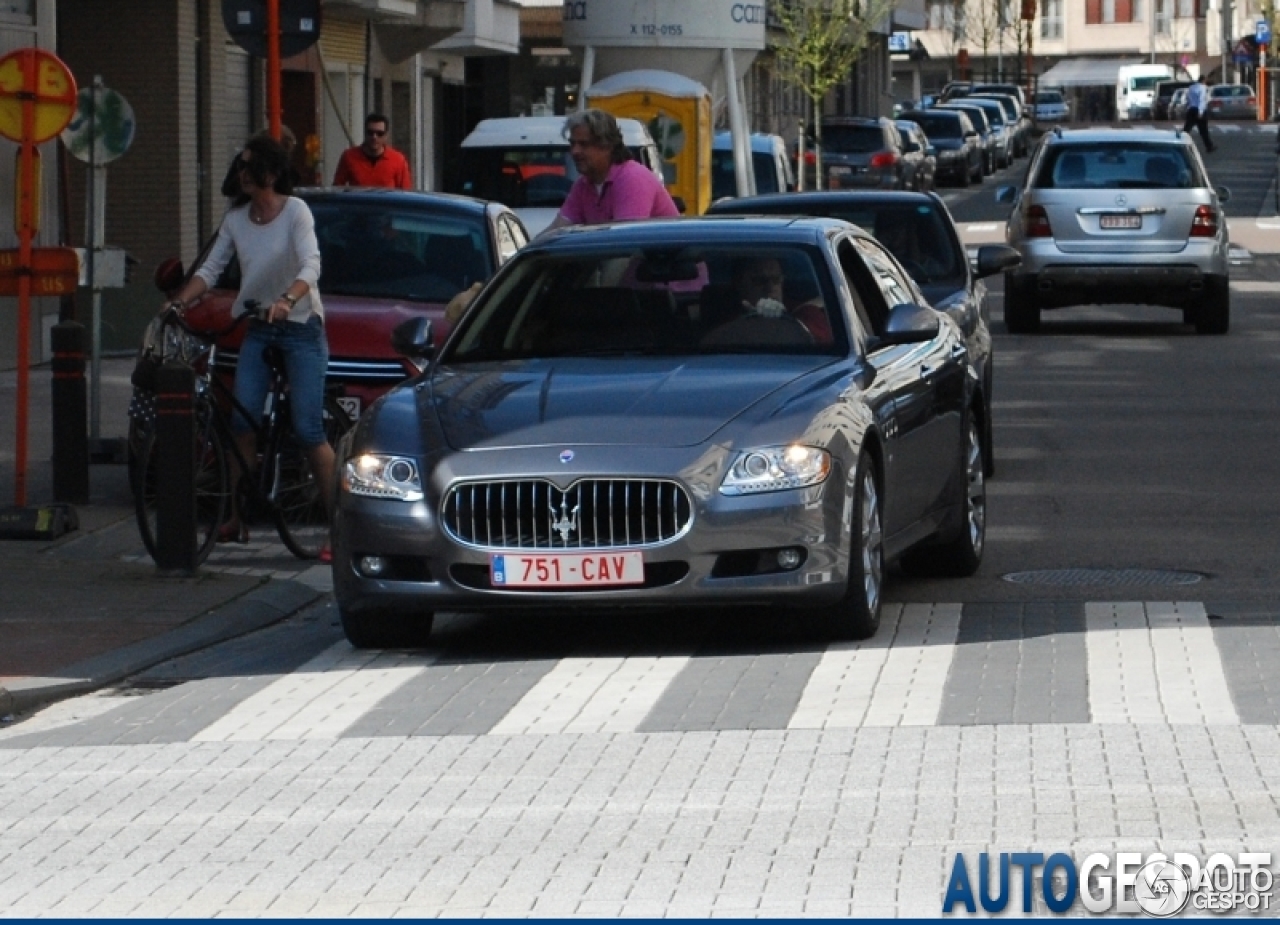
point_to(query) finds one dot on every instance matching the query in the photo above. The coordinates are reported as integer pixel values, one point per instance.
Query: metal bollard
(69, 414)
(175, 468)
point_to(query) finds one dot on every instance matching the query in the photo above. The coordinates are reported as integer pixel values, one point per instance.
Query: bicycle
(281, 486)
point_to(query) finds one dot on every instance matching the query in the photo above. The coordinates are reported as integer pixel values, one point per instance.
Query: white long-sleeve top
(271, 257)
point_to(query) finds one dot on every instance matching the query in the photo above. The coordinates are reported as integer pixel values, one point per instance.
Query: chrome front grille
(355, 371)
(590, 514)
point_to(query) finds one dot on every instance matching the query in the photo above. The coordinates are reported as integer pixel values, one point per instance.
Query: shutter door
(342, 42)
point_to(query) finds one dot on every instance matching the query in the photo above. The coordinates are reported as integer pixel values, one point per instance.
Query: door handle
(958, 350)
(926, 371)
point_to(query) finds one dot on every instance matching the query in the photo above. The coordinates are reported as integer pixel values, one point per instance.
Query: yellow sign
(53, 271)
(35, 77)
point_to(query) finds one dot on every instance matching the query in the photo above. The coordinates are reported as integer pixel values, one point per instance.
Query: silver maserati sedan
(711, 412)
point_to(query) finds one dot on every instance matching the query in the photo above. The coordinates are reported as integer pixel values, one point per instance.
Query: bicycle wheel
(212, 487)
(293, 489)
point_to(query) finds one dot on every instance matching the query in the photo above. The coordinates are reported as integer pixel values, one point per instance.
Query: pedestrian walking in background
(373, 162)
(611, 186)
(1198, 112)
(272, 234)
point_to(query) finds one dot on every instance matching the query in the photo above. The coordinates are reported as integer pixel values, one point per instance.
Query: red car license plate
(1122, 220)
(565, 570)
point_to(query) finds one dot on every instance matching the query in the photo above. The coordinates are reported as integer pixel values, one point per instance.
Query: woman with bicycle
(272, 234)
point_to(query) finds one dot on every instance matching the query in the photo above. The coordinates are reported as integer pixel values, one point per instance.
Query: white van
(1136, 89)
(523, 162)
(769, 163)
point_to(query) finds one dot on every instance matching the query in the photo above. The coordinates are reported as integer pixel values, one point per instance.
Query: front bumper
(722, 559)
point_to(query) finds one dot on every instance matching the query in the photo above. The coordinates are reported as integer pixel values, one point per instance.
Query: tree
(821, 41)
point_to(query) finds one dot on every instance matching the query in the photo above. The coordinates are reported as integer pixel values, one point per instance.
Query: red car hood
(357, 326)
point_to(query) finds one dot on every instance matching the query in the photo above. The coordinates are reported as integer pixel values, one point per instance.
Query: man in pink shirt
(611, 186)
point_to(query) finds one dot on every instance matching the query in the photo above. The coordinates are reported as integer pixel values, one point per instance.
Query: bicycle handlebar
(254, 310)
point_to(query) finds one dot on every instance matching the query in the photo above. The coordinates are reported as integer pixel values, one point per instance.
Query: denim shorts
(306, 358)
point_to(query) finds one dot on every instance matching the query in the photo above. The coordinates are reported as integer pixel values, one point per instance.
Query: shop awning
(1085, 72)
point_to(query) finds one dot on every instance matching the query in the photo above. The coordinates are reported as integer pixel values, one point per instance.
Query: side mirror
(930, 151)
(169, 275)
(412, 339)
(1006, 193)
(909, 323)
(1224, 193)
(993, 258)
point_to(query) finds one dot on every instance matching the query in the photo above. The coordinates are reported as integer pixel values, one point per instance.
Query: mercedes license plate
(1125, 220)
(351, 405)
(566, 570)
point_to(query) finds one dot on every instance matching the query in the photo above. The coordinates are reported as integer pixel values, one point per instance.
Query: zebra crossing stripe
(582, 695)
(319, 700)
(1155, 663)
(896, 678)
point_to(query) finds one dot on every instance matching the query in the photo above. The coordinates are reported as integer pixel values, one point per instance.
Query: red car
(386, 256)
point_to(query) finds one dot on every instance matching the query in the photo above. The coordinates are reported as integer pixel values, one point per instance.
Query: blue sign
(899, 43)
(1262, 32)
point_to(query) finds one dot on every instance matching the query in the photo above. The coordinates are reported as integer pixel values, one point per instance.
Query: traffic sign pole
(273, 67)
(37, 100)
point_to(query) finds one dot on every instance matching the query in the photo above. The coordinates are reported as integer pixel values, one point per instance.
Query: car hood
(651, 401)
(361, 326)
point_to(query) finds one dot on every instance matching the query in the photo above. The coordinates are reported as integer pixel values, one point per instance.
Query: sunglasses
(379, 132)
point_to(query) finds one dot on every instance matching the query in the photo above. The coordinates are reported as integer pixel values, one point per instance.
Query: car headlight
(776, 468)
(376, 476)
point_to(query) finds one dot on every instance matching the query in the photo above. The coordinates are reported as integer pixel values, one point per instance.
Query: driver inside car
(759, 283)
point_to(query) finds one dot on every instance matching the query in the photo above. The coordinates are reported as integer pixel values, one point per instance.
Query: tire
(377, 630)
(1213, 314)
(965, 179)
(1021, 315)
(961, 554)
(857, 614)
(295, 493)
(988, 429)
(212, 487)
(978, 175)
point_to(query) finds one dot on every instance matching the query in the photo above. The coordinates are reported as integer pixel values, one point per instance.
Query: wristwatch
(290, 298)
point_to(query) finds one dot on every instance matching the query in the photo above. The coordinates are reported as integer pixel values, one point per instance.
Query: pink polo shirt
(630, 191)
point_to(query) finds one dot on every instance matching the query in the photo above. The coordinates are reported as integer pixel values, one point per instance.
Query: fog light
(372, 566)
(790, 558)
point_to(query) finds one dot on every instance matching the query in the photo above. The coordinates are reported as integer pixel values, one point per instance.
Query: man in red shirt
(374, 163)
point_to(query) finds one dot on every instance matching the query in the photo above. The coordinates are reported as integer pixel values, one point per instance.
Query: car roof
(909, 114)
(760, 141)
(684, 232)
(1150, 135)
(773, 201)
(440, 202)
(540, 131)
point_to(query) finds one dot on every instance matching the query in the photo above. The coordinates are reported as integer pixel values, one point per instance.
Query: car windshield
(519, 177)
(392, 252)
(936, 126)
(914, 232)
(852, 139)
(1049, 96)
(1144, 83)
(668, 301)
(1118, 165)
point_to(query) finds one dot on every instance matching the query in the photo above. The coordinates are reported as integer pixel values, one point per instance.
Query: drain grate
(1104, 577)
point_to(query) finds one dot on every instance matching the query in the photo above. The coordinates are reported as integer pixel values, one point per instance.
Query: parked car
(862, 152)
(920, 155)
(1112, 217)
(1232, 101)
(1051, 106)
(523, 162)
(956, 143)
(1009, 89)
(611, 427)
(1178, 105)
(1017, 121)
(919, 231)
(1164, 96)
(1003, 130)
(991, 142)
(769, 163)
(386, 256)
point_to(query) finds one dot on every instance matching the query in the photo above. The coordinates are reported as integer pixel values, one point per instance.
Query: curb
(267, 604)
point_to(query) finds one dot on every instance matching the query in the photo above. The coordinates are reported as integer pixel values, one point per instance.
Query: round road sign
(102, 129)
(37, 76)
